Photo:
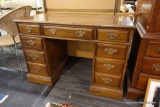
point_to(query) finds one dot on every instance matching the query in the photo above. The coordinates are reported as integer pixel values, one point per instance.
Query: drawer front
(32, 43)
(35, 56)
(38, 69)
(111, 51)
(67, 32)
(153, 49)
(143, 80)
(151, 66)
(29, 29)
(114, 67)
(113, 35)
(107, 80)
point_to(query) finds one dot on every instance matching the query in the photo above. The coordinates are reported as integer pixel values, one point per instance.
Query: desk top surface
(81, 19)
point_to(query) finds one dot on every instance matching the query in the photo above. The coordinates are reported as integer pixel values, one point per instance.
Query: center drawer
(68, 32)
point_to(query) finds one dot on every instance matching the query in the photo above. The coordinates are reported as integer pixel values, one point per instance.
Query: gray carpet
(73, 87)
(8, 59)
(21, 92)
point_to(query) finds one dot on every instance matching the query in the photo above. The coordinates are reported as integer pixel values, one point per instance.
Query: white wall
(17, 3)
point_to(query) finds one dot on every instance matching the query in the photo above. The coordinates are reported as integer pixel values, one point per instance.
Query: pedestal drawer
(143, 80)
(107, 80)
(111, 51)
(108, 66)
(113, 35)
(68, 32)
(35, 56)
(38, 69)
(29, 29)
(153, 49)
(151, 66)
(32, 43)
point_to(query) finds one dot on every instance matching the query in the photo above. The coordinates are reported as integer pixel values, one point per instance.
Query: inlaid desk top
(81, 19)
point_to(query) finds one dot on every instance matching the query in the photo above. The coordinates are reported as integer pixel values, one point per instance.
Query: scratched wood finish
(146, 55)
(100, 20)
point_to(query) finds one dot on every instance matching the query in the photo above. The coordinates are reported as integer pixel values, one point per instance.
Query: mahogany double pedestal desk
(44, 40)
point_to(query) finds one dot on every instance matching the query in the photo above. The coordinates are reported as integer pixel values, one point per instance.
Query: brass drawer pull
(31, 42)
(52, 31)
(156, 67)
(28, 29)
(112, 35)
(80, 33)
(108, 66)
(107, 80)
(37, 69)
(34, 56)
(110, 51)
(158, 50)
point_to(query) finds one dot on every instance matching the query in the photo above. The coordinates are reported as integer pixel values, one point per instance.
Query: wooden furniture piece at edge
(144, 60)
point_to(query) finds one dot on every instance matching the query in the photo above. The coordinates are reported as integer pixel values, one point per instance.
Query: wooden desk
(44, 39)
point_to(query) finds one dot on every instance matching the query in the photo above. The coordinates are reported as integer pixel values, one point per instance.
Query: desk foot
(134, 94)
(39, 79)
(106, 92)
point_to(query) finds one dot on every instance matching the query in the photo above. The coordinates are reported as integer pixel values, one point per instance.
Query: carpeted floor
(73, 87)
(8, 59)
(21, 92)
